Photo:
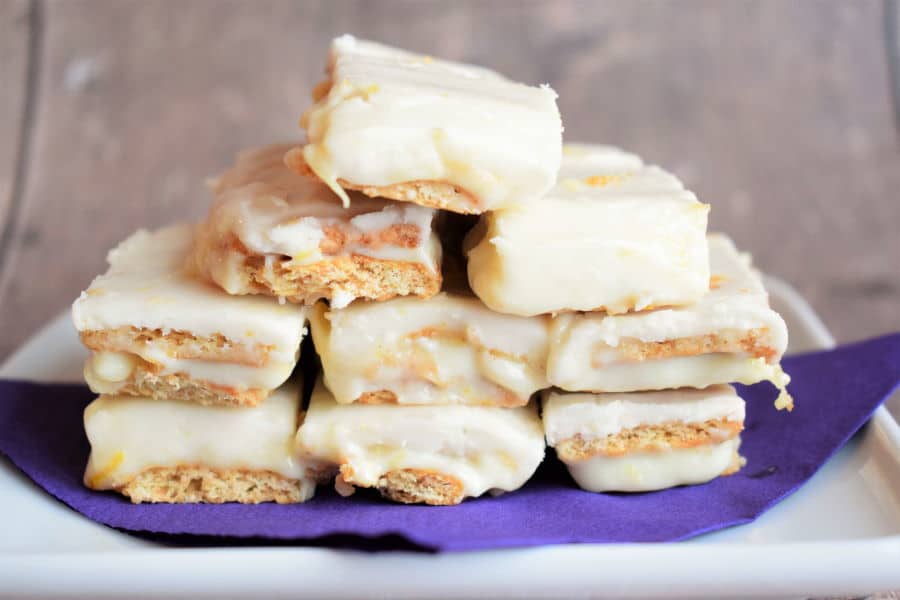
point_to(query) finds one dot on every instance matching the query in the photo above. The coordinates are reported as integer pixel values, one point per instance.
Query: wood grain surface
(778, 114)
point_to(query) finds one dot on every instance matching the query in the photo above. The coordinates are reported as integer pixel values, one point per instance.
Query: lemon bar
(423, 454)
(730, 335)
(644, 441)
(448, 349)
(153, 450)
(448, 135)
(613, 235)
(272, 231)
(155, 329)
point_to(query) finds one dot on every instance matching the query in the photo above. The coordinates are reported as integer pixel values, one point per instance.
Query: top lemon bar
(613, 235)
(441, 134)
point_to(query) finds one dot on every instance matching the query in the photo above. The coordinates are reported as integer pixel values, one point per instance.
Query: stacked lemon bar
(652, 318)
(593, 293)
(195, 400)
(427, 399)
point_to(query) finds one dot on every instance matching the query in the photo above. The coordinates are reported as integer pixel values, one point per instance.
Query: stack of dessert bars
(474, 290)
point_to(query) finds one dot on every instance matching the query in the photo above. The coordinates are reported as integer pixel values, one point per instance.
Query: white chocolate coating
(584, 354)
(129, 434)
(448, 349)
(594, 416)
(147, 286)
(393, 117)
(649, 471)
(484, 448)
(612, 235)
(275, 212)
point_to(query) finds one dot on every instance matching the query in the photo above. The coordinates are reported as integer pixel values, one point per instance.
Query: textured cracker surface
(176, 344)
(417, 486)
(359, 276)
(145, 381)
(433, 194)
(753, 342)
(411, 486)
(666, 436)
(231, 265)
(189, 484)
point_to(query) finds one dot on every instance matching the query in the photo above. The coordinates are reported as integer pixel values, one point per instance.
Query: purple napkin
(835, 392)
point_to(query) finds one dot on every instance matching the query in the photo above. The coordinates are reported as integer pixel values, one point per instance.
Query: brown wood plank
(778, 114)
(14, 37)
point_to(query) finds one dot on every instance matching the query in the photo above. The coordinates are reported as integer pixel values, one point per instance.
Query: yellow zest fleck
(106, 471)
(249, 333)
(96, 292)
(359, 91)
(603, 180)
(715, 282)
(427, 59)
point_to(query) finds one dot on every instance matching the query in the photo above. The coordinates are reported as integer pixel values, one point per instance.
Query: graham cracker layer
(189, 484)
(356, 275)
(176, 344)
(650, 438)
(411, 486)
(418, 486)
(433, 194)
(753, 342)
(145, 381)
(230, 264)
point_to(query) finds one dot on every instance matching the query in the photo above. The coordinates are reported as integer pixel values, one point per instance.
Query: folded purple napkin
(835, 392)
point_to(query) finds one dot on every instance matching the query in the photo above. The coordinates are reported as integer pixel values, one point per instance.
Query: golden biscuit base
(433, 194)
(176, 344)
(413, 486)
(191, 484)
(753, 342)
(674, 435)
(145, 381)
(301, 282)
(359, 276)
(417, 486)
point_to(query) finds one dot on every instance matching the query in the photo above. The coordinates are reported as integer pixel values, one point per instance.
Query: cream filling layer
(395, 117)
(648, 471)
(593, 416)
(109, 372)
(445, 350)
(484, 448)
(130, 434)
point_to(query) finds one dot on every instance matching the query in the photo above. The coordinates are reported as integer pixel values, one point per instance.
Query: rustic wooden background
(778, 114)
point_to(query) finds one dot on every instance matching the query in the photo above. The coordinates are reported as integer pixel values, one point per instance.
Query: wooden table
(778, 114)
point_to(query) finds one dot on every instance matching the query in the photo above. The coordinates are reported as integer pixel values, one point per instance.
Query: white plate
(838, 535)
